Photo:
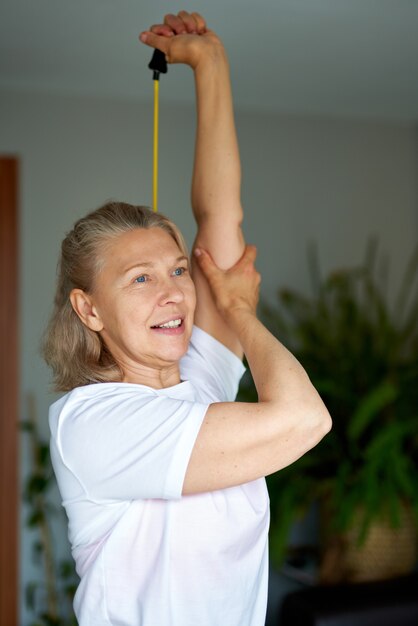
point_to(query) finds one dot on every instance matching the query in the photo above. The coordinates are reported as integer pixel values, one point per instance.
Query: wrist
(238, 317)
(213, 59)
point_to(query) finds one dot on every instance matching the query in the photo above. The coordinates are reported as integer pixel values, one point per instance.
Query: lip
(167, 320)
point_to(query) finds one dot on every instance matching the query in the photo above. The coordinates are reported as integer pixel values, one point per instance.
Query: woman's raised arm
(217, 174)
(238, 442)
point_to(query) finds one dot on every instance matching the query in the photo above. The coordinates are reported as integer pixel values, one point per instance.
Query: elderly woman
(160, 471)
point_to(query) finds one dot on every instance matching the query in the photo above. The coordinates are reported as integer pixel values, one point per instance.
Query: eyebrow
(147, 264)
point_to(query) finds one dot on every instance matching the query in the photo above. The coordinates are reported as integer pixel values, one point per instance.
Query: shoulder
(99, 394)
(106, 407)
(111, 436)
(100, 405)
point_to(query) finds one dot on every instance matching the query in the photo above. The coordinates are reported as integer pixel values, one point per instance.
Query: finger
(201, 23)
(206, 264)
(249, 256)
(155, 41)
(189, 22)
(162, 29)
(175, 23)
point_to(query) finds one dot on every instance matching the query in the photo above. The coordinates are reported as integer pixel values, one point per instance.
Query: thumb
(155, 41)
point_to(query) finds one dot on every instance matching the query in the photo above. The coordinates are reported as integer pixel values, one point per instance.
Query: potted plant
(361, 353)
(49, 598)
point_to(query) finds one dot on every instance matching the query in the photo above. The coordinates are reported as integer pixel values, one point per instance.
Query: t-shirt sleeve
(212, 368)
(128, 445)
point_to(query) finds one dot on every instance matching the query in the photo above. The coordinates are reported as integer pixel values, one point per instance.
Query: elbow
(320, 424)
(325, 423)
(313, 422)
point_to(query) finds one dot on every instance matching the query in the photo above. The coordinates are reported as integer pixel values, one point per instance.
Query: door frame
(9, 391)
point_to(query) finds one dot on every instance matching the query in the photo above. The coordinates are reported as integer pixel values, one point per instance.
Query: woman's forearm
(281, 382)
(216, 184)
(217, 170)
(277, 374)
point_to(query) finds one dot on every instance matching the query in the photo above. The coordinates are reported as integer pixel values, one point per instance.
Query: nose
(171, 293)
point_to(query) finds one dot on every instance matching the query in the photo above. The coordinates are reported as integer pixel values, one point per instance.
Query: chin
(174, 352)
(178, 353)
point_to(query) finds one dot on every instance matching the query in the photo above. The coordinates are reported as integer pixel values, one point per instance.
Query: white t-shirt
(147, 556)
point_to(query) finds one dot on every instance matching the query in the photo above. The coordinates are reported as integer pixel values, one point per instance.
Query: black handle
(158, 64)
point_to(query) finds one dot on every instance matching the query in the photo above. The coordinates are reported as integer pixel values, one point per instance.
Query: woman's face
(145, 299)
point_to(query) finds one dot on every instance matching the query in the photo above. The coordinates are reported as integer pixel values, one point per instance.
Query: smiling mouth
(171, 324)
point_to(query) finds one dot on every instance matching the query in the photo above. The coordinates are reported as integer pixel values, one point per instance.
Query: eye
(179, 271)
(141, 279)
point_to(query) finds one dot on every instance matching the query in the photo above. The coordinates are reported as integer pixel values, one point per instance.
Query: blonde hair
(76, 354)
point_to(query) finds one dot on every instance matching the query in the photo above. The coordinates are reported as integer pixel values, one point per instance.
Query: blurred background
(326, 100)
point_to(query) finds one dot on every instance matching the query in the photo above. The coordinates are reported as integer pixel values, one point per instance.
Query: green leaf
(37, 550)
(371, 405)
(36, 484)
(26, 426)
(35, 518)
(384, 442)
(402, 471)
(30, 595)
(51, 620)
(406, 288)
(66, 569)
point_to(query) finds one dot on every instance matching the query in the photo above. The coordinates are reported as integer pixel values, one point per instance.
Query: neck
(155, 378)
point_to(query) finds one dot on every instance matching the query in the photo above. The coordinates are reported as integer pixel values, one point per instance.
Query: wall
(332, 181)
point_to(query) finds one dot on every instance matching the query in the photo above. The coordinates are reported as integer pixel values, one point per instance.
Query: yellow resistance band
(159, 65)
(155, 162)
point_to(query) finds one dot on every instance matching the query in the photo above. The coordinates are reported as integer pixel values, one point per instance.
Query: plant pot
(386, 552)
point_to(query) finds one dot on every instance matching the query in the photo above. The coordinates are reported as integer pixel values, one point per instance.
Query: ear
(85, 309)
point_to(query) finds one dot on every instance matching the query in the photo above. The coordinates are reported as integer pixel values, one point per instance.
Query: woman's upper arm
(226, 248)
(240, 442)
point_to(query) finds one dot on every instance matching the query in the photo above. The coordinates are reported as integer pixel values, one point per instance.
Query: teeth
(171, 324)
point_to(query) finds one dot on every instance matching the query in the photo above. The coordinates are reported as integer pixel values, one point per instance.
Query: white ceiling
(339, 57)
